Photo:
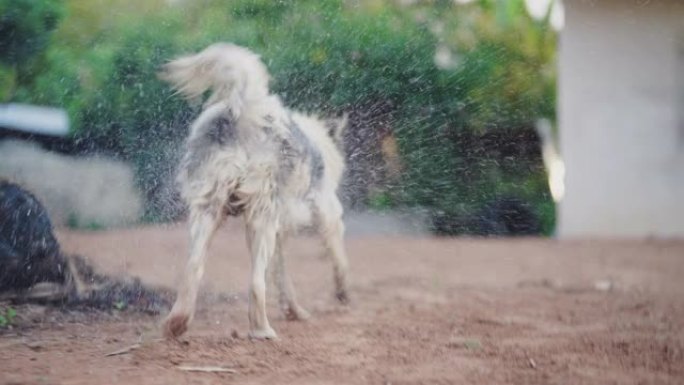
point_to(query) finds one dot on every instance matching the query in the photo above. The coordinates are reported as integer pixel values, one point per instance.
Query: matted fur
(248, 155)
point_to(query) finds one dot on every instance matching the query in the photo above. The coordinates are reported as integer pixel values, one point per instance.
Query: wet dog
(247, 155)
(32, 265)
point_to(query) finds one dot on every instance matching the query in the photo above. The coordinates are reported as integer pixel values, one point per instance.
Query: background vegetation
(457, 88)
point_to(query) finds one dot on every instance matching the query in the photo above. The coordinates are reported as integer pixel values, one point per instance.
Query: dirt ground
(424, 311)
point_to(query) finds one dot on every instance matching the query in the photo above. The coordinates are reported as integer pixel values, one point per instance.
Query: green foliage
(73, 222)
(380, 201)
(458, 125)
(345, 58)
(25, 28)
(119, 305)
(476, 143)
(7, 316)
(7, 81)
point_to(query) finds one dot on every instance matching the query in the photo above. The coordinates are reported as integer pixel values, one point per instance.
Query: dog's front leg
(203, 224)
(261, 237)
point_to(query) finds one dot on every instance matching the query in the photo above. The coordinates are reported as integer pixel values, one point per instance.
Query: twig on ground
(125, 350)
(206, 369)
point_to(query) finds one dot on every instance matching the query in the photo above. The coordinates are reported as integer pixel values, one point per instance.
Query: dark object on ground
(33, 269)
(29, 252)
(505, 216)
(510, 217)
(106, 293)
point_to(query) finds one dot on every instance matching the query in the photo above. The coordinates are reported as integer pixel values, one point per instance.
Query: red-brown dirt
(424, 311)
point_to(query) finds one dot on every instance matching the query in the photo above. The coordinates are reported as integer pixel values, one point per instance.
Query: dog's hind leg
(203, 224)
(332, 231)
(287, 296)
(262, 236)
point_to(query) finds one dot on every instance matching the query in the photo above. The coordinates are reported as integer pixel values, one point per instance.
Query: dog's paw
(296, 313)
(175, 325)
(263, 334)
(342, 296)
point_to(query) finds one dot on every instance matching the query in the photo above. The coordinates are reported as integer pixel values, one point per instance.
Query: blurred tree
(88, 21)
(477, 142)
(25, 30)
(453, 89)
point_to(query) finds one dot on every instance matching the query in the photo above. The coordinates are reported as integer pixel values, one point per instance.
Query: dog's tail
(233, 74)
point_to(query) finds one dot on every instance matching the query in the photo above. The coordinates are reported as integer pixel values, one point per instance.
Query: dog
(248, 155)
(32, 264)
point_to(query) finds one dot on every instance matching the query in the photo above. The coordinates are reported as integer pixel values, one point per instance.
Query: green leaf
(11, 313)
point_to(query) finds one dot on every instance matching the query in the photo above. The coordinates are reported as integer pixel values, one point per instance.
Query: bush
(463, 121)
(25, 28)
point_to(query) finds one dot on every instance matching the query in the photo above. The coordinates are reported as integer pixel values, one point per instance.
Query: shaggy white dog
(248, 155)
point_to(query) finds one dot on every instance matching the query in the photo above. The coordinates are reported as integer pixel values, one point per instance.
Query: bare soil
(424, 311)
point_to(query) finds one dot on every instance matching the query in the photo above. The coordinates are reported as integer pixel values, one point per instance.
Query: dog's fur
(248, 155)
